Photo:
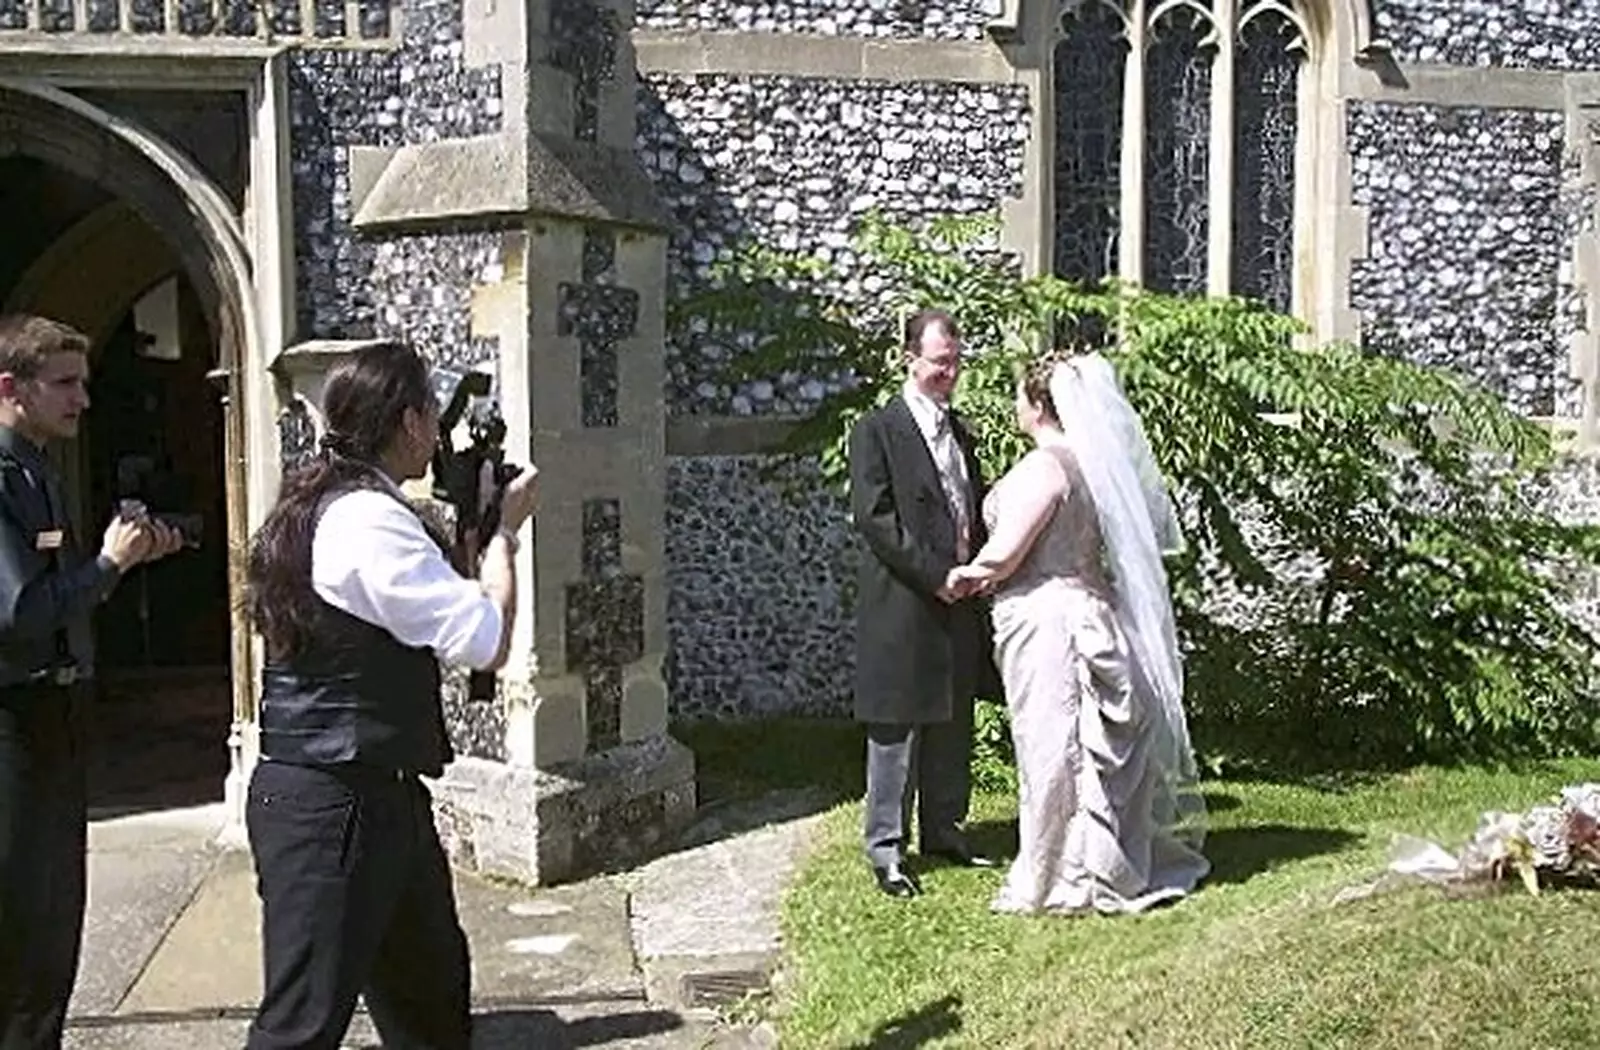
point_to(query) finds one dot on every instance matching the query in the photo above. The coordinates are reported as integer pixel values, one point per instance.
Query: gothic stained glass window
(1266, 103)
(1139, 164)
(1089, 58)
(1176, 149)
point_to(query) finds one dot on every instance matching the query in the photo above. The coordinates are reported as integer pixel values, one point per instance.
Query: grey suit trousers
(928, 761)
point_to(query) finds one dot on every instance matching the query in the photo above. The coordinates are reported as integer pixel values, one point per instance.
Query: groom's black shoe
(961, 855)
(896, 881)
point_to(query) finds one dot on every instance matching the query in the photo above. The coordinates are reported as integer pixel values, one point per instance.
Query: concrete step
(614, 1025)
(174, 928)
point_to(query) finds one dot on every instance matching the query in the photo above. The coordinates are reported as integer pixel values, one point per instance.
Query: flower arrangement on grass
(1555, 844)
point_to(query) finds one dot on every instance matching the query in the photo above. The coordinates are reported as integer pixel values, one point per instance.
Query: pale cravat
(947, 458)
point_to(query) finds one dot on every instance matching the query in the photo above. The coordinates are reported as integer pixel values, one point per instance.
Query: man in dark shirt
(48, 590)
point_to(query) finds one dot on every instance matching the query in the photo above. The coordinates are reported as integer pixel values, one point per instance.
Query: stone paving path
(705, 918)
(636, 960)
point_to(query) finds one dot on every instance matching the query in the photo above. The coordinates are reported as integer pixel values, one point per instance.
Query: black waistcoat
(354, 694)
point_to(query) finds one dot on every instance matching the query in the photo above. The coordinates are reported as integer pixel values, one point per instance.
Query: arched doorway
(126, 239)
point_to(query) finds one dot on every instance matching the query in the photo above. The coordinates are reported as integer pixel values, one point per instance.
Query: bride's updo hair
(1035, 382)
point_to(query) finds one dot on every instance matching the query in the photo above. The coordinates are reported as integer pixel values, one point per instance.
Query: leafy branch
(1367, 578)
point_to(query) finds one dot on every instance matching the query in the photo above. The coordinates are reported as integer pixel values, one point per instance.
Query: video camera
(473, 479)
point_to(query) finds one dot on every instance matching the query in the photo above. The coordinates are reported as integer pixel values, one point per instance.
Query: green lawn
(1261, 957)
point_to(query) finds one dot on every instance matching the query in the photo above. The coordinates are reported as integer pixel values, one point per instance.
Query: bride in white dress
(1110, 814)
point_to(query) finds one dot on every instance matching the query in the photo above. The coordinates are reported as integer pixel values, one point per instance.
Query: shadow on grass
(754, 774)
(1219, 803)
(1240, 854)
(1303, 755)
(993, 838)
(1237, 854)
(917, 1028)
(749, 757)
(509, 1029)
(818, 763)
(743, 760)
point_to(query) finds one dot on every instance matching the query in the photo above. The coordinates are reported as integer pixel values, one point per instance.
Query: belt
(58, 676)
(352, 770)
(49, 678)
(44, 686)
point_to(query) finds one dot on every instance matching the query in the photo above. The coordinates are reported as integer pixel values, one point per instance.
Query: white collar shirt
(933, 420)
(371, 557)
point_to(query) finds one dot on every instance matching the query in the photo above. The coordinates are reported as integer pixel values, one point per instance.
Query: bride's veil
(1138, 524)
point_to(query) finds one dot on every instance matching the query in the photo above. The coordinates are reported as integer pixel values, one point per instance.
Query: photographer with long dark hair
(357, 603)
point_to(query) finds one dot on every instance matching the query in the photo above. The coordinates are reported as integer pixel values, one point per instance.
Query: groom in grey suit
(922, 653)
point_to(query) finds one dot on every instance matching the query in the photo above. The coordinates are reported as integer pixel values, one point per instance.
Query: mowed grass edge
(1262, 957)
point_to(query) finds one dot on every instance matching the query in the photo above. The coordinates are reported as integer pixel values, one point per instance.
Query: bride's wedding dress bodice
(1068, 547)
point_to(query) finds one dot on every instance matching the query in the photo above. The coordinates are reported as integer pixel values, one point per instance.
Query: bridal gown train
(1083, 729)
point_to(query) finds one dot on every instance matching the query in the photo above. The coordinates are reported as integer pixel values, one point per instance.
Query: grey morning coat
(916, 656)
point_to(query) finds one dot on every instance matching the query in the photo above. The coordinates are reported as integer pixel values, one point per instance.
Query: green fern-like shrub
(1370, 578)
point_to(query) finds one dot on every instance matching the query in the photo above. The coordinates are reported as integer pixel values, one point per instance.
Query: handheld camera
(142, 480)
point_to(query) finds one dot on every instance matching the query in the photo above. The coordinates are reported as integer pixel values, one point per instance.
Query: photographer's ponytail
(365, 403)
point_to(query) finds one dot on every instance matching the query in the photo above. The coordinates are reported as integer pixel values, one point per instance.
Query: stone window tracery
(1178, 155)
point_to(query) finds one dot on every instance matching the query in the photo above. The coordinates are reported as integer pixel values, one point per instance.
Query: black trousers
(43, 842)
(356, 900)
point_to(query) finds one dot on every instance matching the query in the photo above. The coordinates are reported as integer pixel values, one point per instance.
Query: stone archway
(165, 190)
(89, 277)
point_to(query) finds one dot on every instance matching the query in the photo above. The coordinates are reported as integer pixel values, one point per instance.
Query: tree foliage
(1370, 576)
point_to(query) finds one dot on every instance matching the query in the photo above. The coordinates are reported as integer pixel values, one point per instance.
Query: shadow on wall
(794, 164)
(759, 621)
(760, 558)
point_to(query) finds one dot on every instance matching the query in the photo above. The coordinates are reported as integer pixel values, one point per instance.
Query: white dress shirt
(933, 420)
(372, 558)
